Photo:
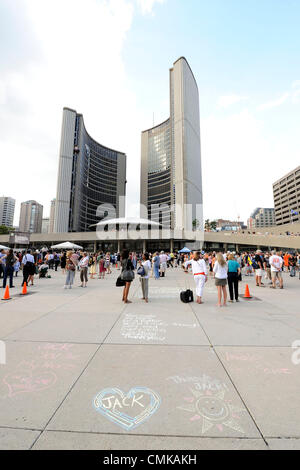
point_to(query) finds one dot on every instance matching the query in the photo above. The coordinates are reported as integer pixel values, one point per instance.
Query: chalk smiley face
(212, 408)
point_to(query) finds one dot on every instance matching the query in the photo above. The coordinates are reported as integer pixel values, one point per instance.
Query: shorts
(220, 282)
(276, 274)
(258, 272)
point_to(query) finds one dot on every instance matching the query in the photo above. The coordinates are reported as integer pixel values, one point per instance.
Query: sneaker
(65, 287)
(70, 287)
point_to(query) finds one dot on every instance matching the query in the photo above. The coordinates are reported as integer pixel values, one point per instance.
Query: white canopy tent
(67, 246)
(126, 221)
(2, 247)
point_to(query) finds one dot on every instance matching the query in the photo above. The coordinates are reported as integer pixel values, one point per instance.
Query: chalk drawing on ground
(208, 404)
(149, 327)
(127, 410)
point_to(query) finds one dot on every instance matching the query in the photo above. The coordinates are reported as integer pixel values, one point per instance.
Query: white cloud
(77, 63)
(274, 103)
(228, 100)
(240, 161)
(146, 6)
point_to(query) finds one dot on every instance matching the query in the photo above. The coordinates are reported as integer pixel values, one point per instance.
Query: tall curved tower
(89, 175)
(171, 156)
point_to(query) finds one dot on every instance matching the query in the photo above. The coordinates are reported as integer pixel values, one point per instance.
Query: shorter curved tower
(89, 175)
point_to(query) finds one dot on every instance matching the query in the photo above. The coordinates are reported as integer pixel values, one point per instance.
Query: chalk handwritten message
(40, 373)
(148, 327)
(255, 361)
(130, 410)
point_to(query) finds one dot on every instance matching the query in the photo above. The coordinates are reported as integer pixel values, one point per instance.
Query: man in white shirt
(163, 262)
(276, 263)
(28, 268)
(199, 272)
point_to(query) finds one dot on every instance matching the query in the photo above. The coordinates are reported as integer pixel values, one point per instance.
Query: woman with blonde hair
(220, 275)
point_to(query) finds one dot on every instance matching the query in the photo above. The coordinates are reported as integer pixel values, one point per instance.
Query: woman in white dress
(199, 270)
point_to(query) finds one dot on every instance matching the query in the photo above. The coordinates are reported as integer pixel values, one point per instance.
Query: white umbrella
(67, 246)
(4, 247)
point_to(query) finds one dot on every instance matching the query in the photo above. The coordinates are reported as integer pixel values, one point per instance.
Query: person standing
(259, 267)
(83, 264)
(28, 268)
(144, 279)
(156, 265)
(63, 261)
(2, 263)
(276, 263)
(199, 270)
(127, 266)
(234, 271)
(163, 263)
(220, 275)
(70, 268)
(9, 268)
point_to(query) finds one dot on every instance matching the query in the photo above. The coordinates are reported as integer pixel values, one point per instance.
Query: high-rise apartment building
(52, 216)
(45, 225)
(171, 156)
(7, 211)
(89, 175)
(286, 193)
(262, 217)
(31, 216)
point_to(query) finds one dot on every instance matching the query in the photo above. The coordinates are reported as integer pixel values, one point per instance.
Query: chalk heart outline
(123, 419)
(27, 381)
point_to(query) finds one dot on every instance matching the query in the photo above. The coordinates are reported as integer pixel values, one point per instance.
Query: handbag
(141, 271)
(120, 282)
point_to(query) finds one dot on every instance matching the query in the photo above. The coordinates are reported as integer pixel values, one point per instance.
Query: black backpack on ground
(187, 296)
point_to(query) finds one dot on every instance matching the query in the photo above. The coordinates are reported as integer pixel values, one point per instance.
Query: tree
(213, 225)
(4, 230)
(195, 224)
(207, 224)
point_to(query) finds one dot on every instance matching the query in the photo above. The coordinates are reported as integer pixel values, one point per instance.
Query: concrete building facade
(31, 216)
(262, 217)
(286, 193)
(52, 216)
(46, 225)
(171, 156)
(7, 211)
(89, 175)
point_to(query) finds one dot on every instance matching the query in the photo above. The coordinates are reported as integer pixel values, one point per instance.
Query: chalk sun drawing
(212, 409)
(127, 410)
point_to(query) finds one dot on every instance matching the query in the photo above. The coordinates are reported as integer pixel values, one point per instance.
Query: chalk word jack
(128, 411)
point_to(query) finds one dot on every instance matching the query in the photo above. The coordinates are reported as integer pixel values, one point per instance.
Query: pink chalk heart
(29, 381)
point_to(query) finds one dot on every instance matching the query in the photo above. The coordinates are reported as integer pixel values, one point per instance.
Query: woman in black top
(63, 261)
(9, 268)
(127, 265)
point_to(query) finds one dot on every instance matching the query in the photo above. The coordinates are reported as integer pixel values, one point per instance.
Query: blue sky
(110, 60)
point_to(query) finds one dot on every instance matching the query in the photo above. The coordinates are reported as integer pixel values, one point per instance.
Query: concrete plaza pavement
(85, 371)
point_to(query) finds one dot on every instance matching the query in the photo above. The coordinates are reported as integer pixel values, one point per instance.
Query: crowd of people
(227, 269)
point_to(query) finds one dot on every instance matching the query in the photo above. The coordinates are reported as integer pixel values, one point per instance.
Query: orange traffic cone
(24, 290)
(247, 293)
(6, 294)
